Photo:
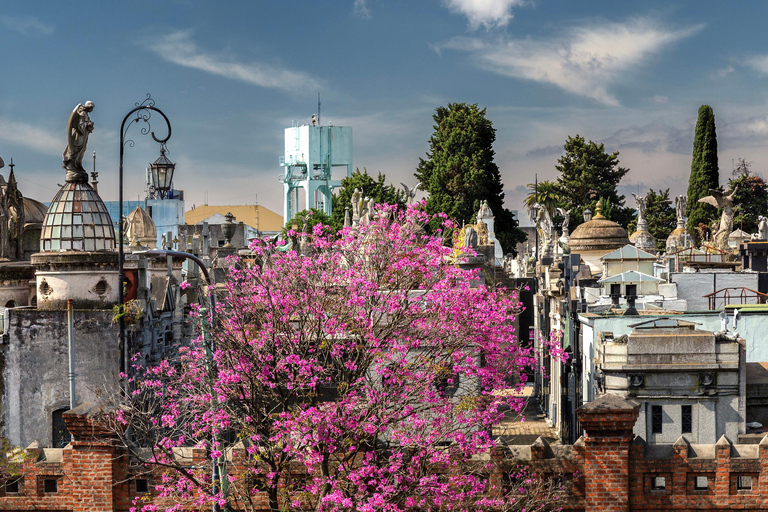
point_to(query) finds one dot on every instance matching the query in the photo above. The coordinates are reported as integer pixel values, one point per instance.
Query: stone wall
(35, 372)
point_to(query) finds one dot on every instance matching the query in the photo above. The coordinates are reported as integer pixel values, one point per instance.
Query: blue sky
(232, 75)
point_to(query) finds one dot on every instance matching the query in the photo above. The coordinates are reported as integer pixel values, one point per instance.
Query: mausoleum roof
(77, 220)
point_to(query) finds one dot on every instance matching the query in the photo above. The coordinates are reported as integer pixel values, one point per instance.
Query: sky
(231, 76)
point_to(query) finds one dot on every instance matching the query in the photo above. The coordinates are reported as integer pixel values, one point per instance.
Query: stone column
(608, 423)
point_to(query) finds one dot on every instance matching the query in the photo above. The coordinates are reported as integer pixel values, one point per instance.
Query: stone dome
(141, 227)
(643, 240)
(598, 234)
(34, 211)
(77, 220)
(678, 239)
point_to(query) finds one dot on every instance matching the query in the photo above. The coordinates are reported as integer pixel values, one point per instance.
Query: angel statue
(78, 130)
(722, 200)
(641, 206)
(410, 193)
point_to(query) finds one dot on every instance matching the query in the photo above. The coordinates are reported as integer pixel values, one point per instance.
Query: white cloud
(583, 61)
(361, 10)
(759, 63)
(487, 13)
(26, 25)
(31, 137)
(660, 100)
(178, 48)
(723, 72)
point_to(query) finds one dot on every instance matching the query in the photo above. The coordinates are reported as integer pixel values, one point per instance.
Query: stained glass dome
(77, 220)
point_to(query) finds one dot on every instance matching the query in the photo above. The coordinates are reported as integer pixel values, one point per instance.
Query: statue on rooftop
(641, 206)
(681, 203)
(722, 200)
(78, 129)
(762, 228)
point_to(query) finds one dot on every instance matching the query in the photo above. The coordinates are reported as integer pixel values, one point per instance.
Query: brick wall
(608, 470)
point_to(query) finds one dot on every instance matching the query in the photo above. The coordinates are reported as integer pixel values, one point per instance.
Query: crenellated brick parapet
(607, 469)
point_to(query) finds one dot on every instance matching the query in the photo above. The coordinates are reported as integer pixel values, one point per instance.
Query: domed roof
(77, 220)
(678, 239)
(643, 240)
(140, 225)
(598, 234)
(34, 211)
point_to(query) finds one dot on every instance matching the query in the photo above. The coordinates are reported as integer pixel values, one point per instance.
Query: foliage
(588, 173)
(377, 189)
(605, 206)
(704, 170)
(131, 312)
(306, 220)
(459, 172)
(370, 364)
(546, 193)
(660, 216)
(750, 202)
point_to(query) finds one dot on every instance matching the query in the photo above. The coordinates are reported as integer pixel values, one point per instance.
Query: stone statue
(347, 218)
(470, 238)
(78, 130)
(641, 207)
(410, 193)
(762, 228)
(483, 237)
(544, 227)
(681, 203)
(356, 195)
(366, 210)
(722, 200)
(566, 219)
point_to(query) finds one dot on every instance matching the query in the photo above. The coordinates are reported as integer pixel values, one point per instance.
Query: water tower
(311, 153)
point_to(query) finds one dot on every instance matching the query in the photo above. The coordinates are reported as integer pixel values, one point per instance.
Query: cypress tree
(459, 171)
(704, 171)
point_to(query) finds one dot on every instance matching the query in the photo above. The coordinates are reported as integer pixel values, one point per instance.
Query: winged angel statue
(722, 200)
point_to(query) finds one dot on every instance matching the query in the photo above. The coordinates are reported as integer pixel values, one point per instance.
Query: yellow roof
(253, 215)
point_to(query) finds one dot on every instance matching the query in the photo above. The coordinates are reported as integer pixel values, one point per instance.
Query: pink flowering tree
(360, 372)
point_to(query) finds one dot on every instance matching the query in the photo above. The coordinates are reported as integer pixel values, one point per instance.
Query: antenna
(318, 109)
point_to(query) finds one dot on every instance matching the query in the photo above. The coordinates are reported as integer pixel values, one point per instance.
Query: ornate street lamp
(161, 171)
(141, 112)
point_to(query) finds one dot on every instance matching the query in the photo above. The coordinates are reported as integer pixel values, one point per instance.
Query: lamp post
(161, 171)
(143, 112)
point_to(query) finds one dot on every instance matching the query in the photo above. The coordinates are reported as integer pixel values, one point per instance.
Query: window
(659, 483)
(12, 486)
(447, 384)
(10, 304)
(59, 434)
(51, 485)
(700, 483)
(687, 419)
(743, 483)
(657, 417)
(142, 485)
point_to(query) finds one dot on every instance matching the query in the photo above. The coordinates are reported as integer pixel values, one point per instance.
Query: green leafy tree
(704, 170)
(660, 215)
(305, 221)
(377, 189)
(587, 174)
(751, 199)
(459, 171)
(546, 193)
